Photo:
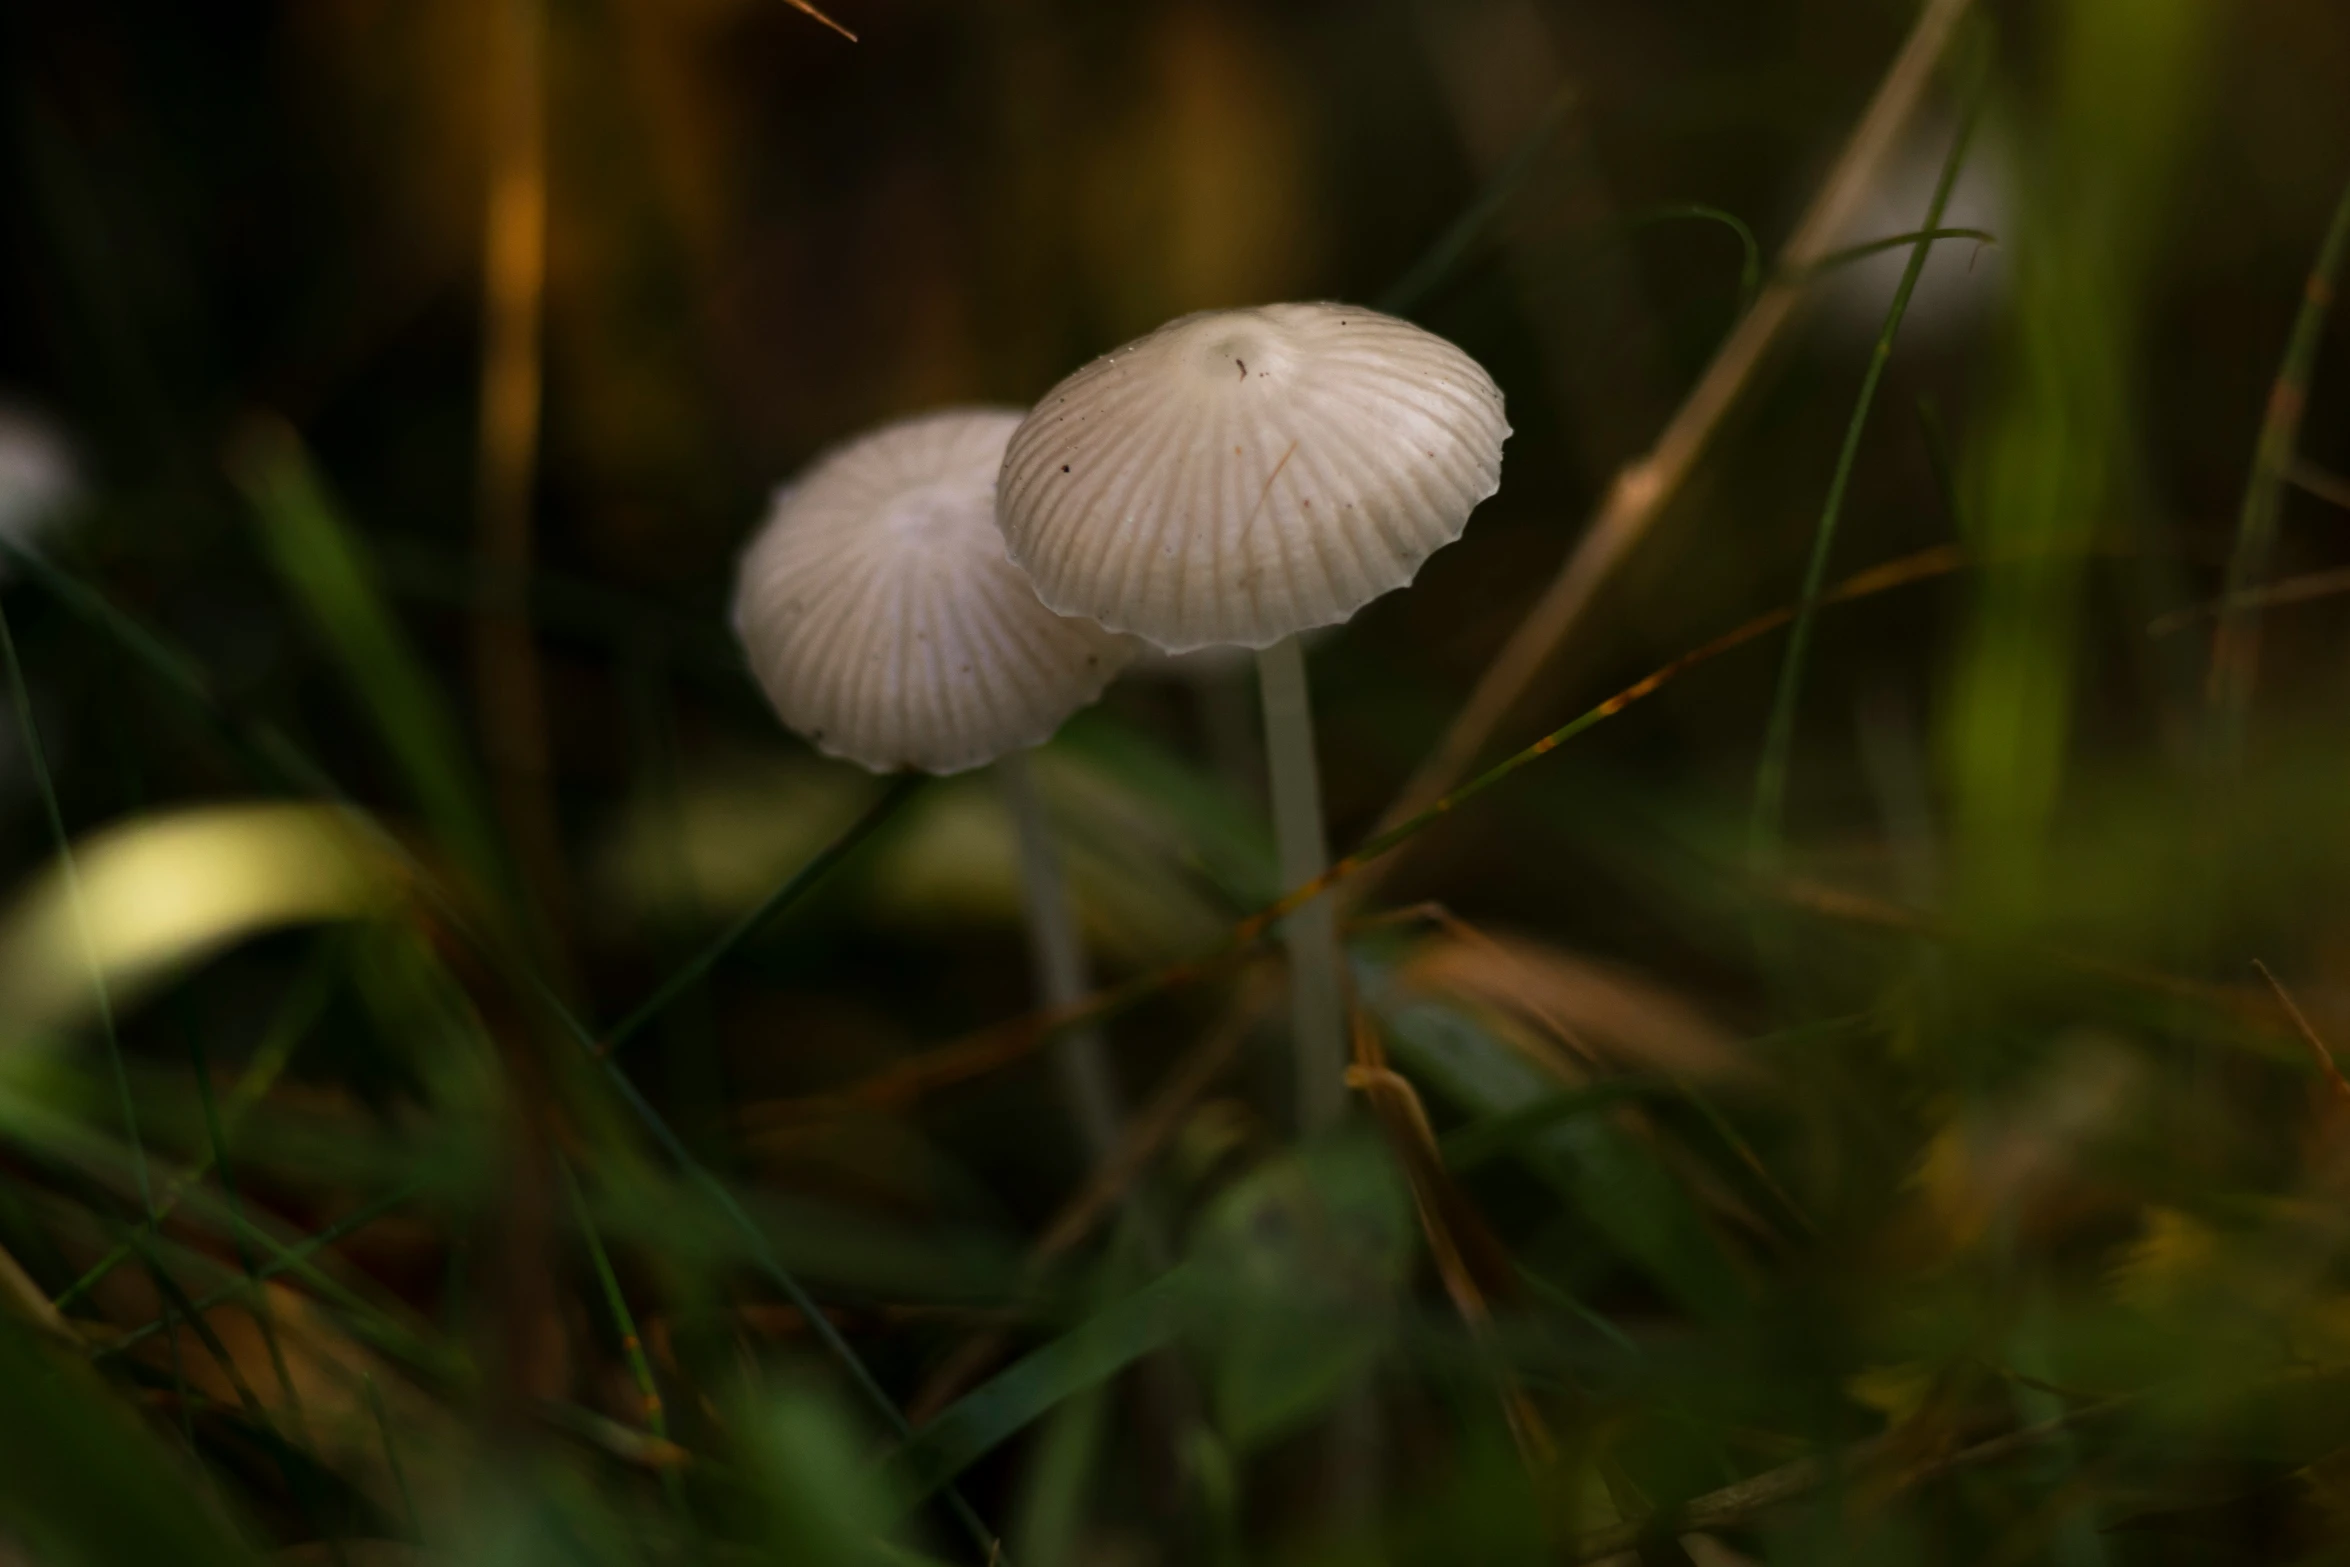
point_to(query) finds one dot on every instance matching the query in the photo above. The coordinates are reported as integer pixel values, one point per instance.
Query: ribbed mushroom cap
(884, 622)
(1243, 475)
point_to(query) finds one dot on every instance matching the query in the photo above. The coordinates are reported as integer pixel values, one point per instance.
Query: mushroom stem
(1315, 997)
(1059, 959)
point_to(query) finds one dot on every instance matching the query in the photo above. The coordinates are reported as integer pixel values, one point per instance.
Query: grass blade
(1426, 275)
(302, 1008)
(383, 1425)
(1770, 787)
(71, 1462)
(698, 968)
(631, 1346)
(1920, 238)
(2235, 652)
(286, 1262)
(1084, 1357)
(68, 868)
(325, 569)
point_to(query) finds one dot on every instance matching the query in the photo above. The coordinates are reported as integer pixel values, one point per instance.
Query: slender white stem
(1317, 1015)
(1059, 957)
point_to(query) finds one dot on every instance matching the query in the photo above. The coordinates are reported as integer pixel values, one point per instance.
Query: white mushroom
(1244, 475)
(1239, 477)
(883, 621)
(885, 625)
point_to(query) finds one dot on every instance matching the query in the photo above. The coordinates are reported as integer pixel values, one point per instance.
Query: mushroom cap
(1239, 476)
(882, 619)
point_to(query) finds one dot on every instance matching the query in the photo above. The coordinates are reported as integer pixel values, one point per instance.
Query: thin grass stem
(216, 1136)
(298, 1480)
(632, 1347)
(1915, 238)
(286, 1261)
(763, 1253)
(302, 1009)
(2235, 652)
(68, 869)
(697, 968)
(1770, 788)
(1436, 265)
(383, 1426)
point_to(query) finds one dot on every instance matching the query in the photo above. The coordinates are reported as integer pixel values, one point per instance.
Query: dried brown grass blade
(1603, 1015)
(805, 9)
(1472, 1264)
(2291, 590)
(2326, 485)
(2326, 1066)
(1598, 1017)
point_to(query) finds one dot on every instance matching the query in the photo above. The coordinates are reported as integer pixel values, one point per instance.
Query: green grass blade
(1749, 248)
(216, 1137)
(900, 790)
(76, 1470)
(2056, 456)
(1770, 787)
(1426, 275)
(631, 1346)
(383, 1426)
(763, 1253)
(261, 747)
(324, 567)
(286, 1262)
(1087, 1355)
(298, 1476)
(302, 1008)
(2234, 652)
(1877, 247)
(53, 817)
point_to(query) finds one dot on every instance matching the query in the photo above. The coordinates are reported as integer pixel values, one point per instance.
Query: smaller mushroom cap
(1243, 475)
(882, 619)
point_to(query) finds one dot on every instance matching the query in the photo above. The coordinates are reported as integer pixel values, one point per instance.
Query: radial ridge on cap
(1239, 476)
(885, 624)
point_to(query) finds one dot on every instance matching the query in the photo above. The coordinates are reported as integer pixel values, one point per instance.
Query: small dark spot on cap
(1064, 467)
